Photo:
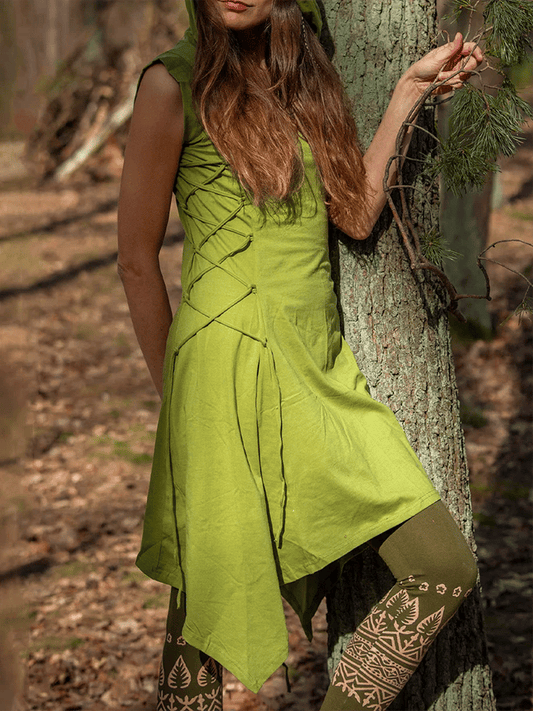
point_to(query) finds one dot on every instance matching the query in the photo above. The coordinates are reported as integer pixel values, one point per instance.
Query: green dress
(272, 462)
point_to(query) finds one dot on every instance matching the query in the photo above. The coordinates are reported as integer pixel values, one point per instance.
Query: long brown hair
(254, 117)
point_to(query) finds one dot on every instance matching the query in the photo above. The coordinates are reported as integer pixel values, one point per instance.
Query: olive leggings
(434, 571)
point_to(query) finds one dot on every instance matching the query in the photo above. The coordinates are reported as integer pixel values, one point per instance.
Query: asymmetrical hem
(272, 464)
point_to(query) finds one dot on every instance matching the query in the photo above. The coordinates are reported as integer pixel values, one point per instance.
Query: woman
(272, 462)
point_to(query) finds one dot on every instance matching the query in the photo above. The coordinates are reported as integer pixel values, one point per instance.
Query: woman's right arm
(150, 167)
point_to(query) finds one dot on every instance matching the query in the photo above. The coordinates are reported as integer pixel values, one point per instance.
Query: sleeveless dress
(272, 462)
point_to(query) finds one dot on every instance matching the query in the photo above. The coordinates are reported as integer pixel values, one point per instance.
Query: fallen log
(83, 127)
(115, 120)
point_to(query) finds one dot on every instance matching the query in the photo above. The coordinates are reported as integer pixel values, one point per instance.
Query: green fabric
(272, 461)
(188, 678)
(434, 570)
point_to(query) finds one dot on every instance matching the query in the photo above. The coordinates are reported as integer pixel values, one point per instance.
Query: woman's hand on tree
(453, 63)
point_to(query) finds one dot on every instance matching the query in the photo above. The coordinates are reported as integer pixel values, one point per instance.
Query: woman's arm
(439, 64)
(150, 166)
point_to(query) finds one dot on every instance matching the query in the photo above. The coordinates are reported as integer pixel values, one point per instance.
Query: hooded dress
(272, 462)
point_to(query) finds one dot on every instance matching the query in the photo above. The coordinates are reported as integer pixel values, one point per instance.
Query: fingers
(463, 59)
(449, 65)
(465, 49)
(461, 70)
(446, 53)
(473, 51)
(453, 48)
(451, 80)
(456, 81)
(457, 48)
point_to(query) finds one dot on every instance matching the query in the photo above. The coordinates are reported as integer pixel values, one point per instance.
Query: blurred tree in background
(36, 35)
(71, 66)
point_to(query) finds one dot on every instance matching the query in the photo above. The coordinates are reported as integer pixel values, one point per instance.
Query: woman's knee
(465, 569)
(431, 547)
(454, 564)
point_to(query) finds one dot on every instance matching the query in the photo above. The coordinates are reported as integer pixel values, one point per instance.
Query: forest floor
(80, 626)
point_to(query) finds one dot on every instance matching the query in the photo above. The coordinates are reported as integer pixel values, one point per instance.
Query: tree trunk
(465, 227)
(397, 326)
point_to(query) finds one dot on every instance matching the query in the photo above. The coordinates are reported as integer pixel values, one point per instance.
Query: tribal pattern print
(185, 682)
(202, 702)
(388, 646)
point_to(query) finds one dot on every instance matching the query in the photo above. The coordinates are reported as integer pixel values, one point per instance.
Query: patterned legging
(434, 570)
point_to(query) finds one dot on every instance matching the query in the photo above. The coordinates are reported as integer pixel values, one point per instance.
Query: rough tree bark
(397, 327)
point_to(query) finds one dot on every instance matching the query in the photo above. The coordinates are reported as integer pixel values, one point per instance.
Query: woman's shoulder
(178, 61)
(167, 82)
(168, 76)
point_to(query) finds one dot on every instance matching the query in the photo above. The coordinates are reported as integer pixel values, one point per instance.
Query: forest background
(78, 410)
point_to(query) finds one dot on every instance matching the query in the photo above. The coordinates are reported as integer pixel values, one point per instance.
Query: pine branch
(435, 248)
(512, 22)
(483, 125)
(408, 232)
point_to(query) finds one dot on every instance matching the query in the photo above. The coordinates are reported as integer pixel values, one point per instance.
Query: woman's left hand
(444, 63)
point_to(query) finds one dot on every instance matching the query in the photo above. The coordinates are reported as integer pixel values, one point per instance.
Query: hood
(309, 10)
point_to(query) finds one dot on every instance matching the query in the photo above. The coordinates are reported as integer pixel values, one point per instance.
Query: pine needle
(435, 247)
(511, 22)
(482, 127)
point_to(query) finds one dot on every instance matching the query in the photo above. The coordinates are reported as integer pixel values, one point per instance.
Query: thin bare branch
(503, 241)
(505, 266)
